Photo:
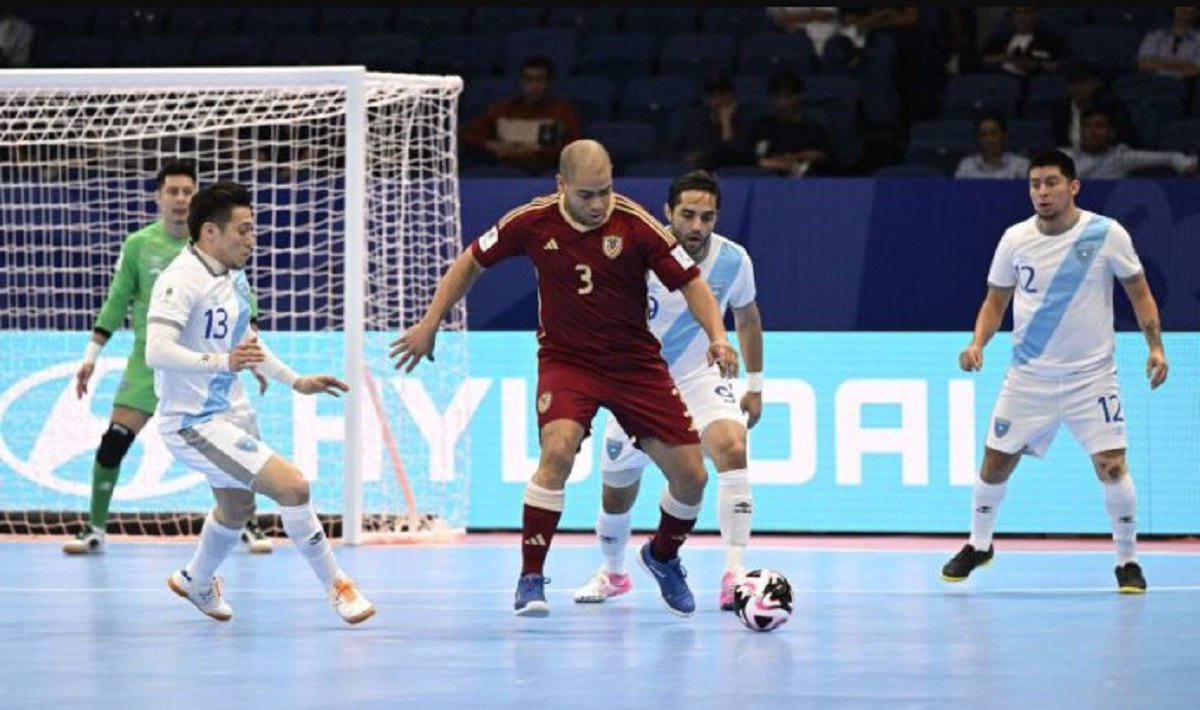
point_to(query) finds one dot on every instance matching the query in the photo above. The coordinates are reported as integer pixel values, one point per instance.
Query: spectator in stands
(917, 72)
(819, 23)
(993, 160)
(788, 141)
(1086, 87)
(16, 39)
(1025, 50)
(526, 131)
(1173, 50)
(715, 133)
(1099, 156)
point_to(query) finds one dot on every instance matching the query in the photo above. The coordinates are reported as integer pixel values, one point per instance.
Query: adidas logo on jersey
(551, 245)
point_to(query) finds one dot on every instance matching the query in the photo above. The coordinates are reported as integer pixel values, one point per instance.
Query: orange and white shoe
(207, 598)
(348, 602)
(603, 585)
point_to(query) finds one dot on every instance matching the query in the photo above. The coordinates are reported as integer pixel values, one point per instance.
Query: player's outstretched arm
(417, 342)
(991, 314)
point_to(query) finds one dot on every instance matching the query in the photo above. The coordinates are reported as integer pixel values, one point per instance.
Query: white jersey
(212, 313)
(1063, 291)
(730, 274)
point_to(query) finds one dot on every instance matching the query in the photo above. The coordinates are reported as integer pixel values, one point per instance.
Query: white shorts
(709, 396)
(226, 449)
(1029, 411)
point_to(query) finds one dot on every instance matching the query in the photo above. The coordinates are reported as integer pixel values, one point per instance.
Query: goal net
(356, 196)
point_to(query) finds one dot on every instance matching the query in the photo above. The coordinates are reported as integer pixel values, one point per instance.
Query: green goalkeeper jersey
(144, 255)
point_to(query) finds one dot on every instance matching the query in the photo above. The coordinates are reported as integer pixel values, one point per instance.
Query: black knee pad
(114, 445)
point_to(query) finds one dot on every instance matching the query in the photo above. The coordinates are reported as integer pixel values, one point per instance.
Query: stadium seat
(595, 97)
(1030, 136)
(1141, 17)
(585, 20)
(968, 95)
(224, 50)
(194, 21)
(1182, 135)
(557, 43)
(940, 143)
(307, 50)
(497, 21)
(266, 22)
(661, 21)
(697, 55)
(124, 22)
(765, 53)
(479, 94)
(655, 98)
(737, 21)
(140, 50)
(628, 141)
(470, 56)
(1111, 48)
(348, 21)
(666, 167)
(1165, 94)
(840, 98)
(909, 170)
(75, 51)
(620, 56)
(58, 20)
(385, 51)
(1044, 90)
(429, 22)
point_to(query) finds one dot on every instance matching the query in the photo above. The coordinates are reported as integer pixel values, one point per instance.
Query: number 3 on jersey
(216, 323)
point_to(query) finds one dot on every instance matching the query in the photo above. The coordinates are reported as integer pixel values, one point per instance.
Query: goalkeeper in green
(144, 254)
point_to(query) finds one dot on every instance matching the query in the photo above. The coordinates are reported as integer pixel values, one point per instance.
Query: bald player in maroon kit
(591, 249)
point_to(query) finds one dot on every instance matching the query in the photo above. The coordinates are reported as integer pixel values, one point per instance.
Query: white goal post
(356, 193)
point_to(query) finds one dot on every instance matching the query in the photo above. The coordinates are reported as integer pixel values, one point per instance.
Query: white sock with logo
(1120, 499)
(216, 542)
(985, 502)
(301, 524)
(613, 530)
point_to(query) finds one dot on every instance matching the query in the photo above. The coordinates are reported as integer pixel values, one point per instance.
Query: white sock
(985, 502)
(302, 526)
(613, 529)
(735, 513)
(216, 542)
(1120, 499)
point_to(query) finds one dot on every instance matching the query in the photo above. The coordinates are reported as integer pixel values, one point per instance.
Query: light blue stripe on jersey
(1061, 292)
(219, 386)
(684, 330)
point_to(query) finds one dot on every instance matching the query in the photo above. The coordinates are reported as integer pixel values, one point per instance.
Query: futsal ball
(763, 599)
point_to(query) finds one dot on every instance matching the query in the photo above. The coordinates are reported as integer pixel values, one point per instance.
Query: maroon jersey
(592, 306)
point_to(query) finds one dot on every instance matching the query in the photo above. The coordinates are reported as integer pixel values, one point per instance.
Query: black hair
(701, 180)
(216, 203)
(1055, 158)
(174, 167)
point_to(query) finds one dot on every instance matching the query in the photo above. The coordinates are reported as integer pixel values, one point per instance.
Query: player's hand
(320, 384)
(1156, 368)
(971, 359)
(725, 357)
(82, 377)
(262, 381)
(246, 354)
(413, 345)
(752, 405)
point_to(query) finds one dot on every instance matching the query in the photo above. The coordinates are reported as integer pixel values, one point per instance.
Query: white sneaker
(89, 541)
(603, 585)
(349, 603)
(207, 599)
(255, 540)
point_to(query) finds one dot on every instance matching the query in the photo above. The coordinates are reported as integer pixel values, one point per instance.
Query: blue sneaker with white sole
(672, 582)
(530, 599)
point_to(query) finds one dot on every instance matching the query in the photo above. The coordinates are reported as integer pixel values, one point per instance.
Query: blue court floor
(875, 627)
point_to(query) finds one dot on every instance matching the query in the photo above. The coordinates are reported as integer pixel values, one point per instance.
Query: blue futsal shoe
(672, 582)
(530, 599)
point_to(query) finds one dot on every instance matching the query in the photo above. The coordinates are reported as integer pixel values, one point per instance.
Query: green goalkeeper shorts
(136, 390)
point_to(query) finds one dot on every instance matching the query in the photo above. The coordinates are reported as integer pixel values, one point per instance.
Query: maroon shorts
(645, 402)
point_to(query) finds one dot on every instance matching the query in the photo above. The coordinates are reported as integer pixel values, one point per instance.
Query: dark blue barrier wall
(873, 255)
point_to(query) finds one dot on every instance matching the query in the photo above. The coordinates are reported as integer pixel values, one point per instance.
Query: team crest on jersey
(1000, 426)
(247, 443)
(613, 447)
(543, 403)
(1085, 252)
(613, 244)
